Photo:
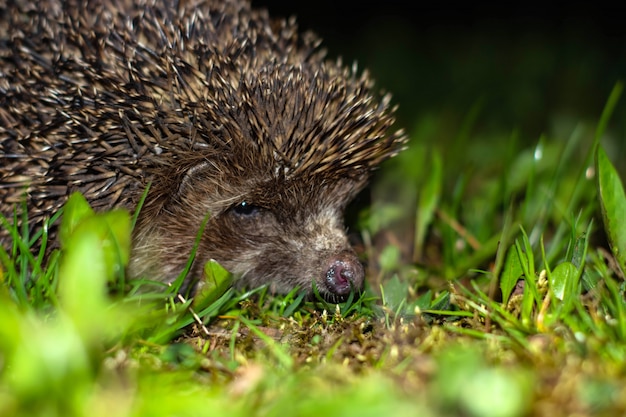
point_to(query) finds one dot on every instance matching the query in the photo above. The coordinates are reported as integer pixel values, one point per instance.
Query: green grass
(506, 298)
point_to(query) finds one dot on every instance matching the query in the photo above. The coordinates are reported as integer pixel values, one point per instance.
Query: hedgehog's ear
(190, 177)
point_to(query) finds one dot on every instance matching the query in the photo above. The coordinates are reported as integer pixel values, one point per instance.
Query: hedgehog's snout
(344, 274)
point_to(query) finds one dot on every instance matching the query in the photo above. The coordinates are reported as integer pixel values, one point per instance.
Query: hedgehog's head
(274, 153)
(266, 229)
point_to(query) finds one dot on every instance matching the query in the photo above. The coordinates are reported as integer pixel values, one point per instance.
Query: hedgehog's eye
(246, 209)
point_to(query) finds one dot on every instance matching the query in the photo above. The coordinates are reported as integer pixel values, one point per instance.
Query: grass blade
(613, 205)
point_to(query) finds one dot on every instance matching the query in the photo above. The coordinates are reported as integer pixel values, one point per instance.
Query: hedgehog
(221, 111)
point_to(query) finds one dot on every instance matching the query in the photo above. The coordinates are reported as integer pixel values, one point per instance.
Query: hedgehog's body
(221, 109)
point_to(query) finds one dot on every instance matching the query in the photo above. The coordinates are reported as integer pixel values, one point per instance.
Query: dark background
(526, 66)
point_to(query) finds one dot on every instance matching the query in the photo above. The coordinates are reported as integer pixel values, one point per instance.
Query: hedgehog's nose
(344, 274)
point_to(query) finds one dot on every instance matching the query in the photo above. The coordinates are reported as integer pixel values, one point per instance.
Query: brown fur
(212, 103)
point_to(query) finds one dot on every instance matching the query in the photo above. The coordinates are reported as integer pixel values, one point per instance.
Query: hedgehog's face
(309, 249)
(288, 241)
(286, 234)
